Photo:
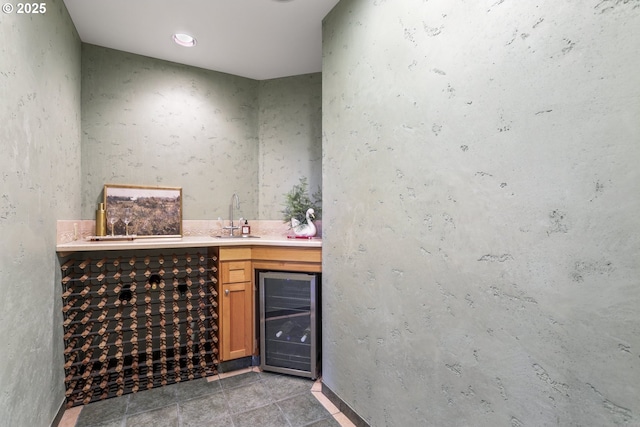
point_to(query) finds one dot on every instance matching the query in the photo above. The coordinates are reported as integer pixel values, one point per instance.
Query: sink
(238, 237)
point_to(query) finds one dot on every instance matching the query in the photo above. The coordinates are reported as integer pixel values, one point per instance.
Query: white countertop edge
(184, 242)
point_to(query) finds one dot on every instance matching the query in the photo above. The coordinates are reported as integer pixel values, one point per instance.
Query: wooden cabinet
(283, 258)
(237, 290)
(236, 303)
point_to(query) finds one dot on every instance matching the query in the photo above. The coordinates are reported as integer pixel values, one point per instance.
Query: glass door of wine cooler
(289, 323)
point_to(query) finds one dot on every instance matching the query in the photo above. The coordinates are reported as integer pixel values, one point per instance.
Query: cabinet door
(236, 271)
(237, 328)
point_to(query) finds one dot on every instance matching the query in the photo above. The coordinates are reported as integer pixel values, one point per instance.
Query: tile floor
(244, 398)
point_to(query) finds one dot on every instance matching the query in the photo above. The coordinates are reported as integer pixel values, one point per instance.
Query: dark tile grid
(247, 400)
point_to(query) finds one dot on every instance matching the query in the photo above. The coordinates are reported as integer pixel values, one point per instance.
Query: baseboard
(343, 407)
(60, 414)
(236, 364)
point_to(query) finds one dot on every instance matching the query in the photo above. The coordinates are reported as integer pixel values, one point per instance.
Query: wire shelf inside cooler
(289, 349)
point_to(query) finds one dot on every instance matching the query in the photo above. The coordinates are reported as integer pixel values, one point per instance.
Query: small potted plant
(300, 209)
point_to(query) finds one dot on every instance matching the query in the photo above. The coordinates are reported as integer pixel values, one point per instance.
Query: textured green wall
(480, 178)
(290, 134)
(40, 175)
(152, 122)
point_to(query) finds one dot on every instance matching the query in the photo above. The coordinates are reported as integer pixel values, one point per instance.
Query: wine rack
(135, 320)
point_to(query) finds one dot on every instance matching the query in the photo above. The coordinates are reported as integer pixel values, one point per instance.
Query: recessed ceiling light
(184, 39)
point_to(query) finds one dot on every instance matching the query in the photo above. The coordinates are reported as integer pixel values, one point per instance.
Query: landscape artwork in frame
(142, 211)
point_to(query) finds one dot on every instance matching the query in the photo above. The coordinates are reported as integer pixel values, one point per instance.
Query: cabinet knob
(226, 292)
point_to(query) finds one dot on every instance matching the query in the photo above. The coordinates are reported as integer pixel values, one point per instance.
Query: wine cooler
(290, 323)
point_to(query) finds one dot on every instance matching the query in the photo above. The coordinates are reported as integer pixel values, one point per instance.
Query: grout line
(331, 408)
(70, 417)
(343, 420)
(212, 378)
(232, 373)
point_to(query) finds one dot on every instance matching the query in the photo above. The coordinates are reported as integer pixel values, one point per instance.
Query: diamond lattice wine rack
(134, 320)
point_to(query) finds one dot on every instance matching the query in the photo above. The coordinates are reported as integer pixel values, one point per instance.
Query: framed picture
(141, 211)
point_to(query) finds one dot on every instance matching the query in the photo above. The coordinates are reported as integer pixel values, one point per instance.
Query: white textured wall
(40, 183)
(290, 134)
(481, 211)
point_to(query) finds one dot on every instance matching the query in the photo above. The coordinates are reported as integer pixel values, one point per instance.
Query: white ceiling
(258, 39)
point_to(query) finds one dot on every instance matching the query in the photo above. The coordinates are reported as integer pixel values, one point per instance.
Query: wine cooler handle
(226, 292)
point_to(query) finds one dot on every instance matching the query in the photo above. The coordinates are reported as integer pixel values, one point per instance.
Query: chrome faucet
(234, 200)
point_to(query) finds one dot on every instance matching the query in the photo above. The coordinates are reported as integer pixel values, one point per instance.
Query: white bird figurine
(305, 229)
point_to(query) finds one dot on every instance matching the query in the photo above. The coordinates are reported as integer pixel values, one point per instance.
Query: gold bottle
(101, 221)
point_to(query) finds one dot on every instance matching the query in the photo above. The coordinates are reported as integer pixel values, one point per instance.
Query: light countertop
(185, 242)
(75, 236)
